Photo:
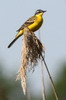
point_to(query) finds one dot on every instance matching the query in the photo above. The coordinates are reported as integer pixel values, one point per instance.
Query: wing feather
(27, 23)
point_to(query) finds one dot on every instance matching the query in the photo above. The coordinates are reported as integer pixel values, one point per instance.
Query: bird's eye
(37, 12)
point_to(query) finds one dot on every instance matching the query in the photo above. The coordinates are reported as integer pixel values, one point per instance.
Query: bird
(33, 24)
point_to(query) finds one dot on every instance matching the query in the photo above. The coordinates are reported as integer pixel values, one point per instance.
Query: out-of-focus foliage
(60, 84)
(11, 90)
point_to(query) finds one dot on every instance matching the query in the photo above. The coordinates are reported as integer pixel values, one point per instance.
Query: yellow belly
(36, 25)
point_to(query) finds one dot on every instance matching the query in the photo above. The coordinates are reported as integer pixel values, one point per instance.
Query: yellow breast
(37, 24)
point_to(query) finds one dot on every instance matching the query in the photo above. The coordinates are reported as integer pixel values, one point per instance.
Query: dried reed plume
(32, 51)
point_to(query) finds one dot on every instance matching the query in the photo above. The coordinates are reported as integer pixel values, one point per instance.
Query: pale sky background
(13, 14)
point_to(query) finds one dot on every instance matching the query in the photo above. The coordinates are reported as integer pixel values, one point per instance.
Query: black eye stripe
(37, 12)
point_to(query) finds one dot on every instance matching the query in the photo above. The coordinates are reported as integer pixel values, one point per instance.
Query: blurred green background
(11, 90)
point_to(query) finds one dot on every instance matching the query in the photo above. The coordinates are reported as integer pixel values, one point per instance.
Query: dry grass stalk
(32, 50)
(53, 85)
(42, 73)
(43, 82)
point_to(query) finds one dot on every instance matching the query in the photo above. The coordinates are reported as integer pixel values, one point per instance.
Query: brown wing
(27, 23)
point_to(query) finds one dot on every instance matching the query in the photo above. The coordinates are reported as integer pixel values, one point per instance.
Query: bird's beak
(44, 11)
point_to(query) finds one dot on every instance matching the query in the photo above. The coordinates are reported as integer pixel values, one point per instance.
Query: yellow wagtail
(33, 24)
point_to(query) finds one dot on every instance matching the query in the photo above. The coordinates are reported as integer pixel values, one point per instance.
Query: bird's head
(40, 12)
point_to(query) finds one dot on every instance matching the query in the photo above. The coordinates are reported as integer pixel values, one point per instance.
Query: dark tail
(13, 42)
